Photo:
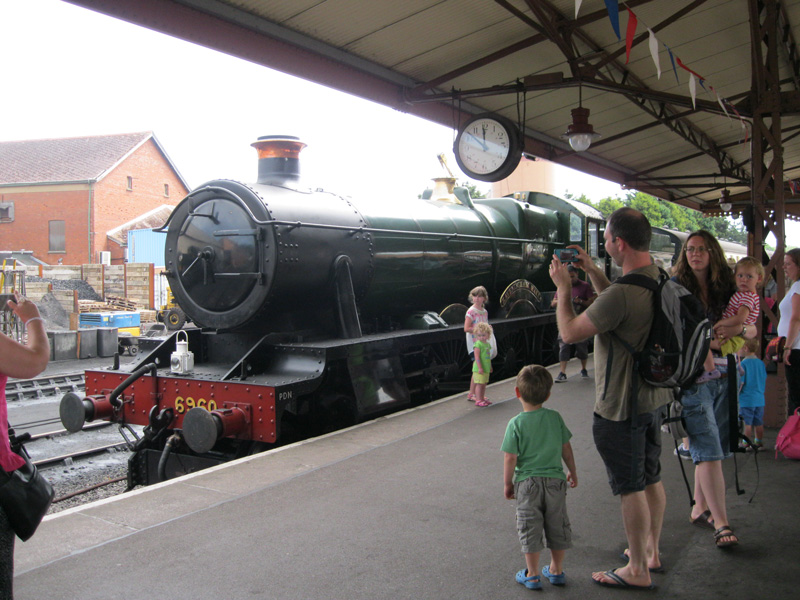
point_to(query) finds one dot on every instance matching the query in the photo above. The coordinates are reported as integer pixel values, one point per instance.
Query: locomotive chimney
(278, 158)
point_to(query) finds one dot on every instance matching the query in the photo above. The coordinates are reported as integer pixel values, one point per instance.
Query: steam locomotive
(315, 311)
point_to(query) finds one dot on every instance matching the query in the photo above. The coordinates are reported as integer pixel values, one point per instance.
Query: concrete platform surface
(409, 506)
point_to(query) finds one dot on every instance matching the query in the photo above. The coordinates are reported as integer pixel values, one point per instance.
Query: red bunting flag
(629, 34)
(794, 186)
(684, 67)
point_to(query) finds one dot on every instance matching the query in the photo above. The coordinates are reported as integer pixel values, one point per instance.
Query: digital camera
(567, 254)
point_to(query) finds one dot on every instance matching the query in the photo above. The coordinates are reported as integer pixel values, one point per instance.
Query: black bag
(679, 337)
(25, 497)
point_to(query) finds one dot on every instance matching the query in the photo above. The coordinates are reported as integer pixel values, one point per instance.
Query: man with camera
(582, 296)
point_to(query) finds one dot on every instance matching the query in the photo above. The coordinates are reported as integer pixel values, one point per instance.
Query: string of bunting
(654, 45)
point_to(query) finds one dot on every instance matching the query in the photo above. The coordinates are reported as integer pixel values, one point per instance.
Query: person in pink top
(20, 361)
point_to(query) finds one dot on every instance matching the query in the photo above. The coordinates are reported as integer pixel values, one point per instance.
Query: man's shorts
(752, 415)
(542, 507)
(632, 459)
(707, 418)
(565, 350)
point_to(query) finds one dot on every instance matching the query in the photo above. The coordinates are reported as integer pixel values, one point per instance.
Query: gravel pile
(85, 291)
(53, 313)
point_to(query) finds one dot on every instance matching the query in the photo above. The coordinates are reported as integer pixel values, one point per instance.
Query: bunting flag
(629, 34)
(794, 186)
(719, 101)
(613, 16)
(577, 8)
(683, 66)
(633, 21)
(654, 51)
(672, 60)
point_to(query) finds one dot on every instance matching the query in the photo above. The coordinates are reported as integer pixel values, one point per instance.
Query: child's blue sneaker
(560, 579)
(532, 583)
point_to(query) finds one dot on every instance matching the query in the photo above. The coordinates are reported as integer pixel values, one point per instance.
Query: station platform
(406, 506)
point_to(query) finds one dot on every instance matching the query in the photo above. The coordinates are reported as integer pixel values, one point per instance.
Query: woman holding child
(789, 326)
(702, 269)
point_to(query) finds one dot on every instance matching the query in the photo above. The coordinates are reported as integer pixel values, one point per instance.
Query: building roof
(70, 160)
(533, 61)
(23, 257)
(149, 220)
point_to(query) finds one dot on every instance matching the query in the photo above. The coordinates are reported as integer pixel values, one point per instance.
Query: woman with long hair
(789, 327)
(703, 270)
(16, 360)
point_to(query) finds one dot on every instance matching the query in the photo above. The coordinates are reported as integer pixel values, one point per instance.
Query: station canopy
(690, 97)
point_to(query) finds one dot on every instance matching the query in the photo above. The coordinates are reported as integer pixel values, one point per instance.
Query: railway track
(43, 387)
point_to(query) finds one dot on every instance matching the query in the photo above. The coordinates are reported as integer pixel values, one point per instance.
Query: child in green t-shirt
(482, 332)
(536, 442)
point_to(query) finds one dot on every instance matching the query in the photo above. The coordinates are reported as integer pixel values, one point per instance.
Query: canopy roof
(533, 61)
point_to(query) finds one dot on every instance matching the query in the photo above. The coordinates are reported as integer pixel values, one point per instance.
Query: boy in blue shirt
(751, 397)
(536, 442)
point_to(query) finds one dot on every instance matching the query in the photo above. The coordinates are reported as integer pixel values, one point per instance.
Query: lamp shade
(580, 134)
(725, 203)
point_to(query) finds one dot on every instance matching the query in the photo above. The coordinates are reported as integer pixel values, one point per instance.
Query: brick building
(59, 198)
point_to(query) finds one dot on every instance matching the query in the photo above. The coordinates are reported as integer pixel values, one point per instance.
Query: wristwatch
(744, 330)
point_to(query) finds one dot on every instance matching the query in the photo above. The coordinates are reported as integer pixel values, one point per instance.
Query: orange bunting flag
(629, 34)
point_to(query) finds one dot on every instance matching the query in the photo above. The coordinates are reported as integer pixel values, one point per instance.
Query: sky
(69, 72)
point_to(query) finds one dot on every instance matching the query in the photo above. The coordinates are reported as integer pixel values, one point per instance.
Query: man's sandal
(725, 532)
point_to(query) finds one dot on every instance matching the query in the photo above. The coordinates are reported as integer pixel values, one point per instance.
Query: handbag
(788, 441)
(775, 348)
(25, 497)
(674, 420)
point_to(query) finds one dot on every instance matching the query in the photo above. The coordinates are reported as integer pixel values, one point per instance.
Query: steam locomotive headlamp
(488, 147)
(182, 360)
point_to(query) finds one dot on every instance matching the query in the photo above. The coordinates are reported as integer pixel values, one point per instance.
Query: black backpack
(680, 335)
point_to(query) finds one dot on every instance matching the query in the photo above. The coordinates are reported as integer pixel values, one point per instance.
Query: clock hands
(483, 143)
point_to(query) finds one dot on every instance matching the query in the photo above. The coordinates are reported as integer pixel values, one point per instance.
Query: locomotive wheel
(514, 351)
(546, 345)
(452, 364)
(175, 319)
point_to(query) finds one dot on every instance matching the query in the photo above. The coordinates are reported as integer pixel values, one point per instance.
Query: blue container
(146, 246)
(110, 319)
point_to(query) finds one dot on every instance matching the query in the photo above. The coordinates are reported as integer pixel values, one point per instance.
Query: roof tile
(67, 159)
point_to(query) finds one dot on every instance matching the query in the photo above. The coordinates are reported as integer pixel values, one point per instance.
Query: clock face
(487, 148)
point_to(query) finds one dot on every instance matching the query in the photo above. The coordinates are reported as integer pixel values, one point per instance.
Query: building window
(6, 212)
(130, 183)
(166, 190)
(57, 236)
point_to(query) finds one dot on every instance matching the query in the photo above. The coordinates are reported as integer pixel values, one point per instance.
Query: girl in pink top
(22, 361)
(475, 314)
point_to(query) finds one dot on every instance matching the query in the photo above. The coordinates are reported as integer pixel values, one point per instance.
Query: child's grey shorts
(542, 508)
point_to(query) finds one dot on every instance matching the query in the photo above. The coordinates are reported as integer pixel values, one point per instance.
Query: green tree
(669, 215)
(474, 191)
